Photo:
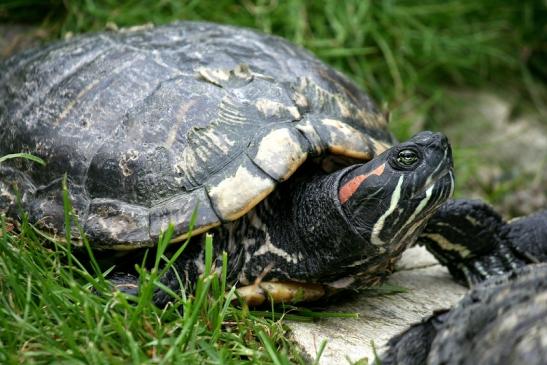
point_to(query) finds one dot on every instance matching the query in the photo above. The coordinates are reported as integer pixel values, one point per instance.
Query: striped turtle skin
(475, 243)
(284, 160)
(502, 320)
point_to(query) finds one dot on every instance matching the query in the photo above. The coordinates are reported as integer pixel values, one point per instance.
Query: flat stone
(506, 149)
(429, 288)
(416, 258)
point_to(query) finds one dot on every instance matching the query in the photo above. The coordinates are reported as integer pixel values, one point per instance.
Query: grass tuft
(51, 310)
(57, 306)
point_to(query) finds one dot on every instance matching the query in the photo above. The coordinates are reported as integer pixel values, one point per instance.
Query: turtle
(216, 129)
(502, 320)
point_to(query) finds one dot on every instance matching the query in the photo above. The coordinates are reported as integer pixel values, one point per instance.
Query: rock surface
(503, 159)
(429, 288)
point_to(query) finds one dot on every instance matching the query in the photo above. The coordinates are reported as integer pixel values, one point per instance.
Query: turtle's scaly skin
(149, 123)
(475, 243)
(501, 321)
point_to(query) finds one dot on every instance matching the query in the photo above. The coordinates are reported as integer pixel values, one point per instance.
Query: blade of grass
(27, 156)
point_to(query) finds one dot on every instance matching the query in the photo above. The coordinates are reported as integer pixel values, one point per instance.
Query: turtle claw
(481, 268)
(474, 242)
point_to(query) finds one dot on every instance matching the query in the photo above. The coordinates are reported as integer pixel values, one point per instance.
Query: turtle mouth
(440, 181)
(436, 191)
(442, 188)
(425, 203)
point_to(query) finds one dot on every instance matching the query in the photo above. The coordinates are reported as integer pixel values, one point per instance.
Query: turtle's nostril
(444, 141)
(433, 139)
(439, 140)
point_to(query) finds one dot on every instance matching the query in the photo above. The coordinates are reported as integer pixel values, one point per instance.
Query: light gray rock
(429, 288)
(503, 159)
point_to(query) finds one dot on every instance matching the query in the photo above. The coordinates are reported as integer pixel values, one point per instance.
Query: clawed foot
(497, 262)
(475, 243)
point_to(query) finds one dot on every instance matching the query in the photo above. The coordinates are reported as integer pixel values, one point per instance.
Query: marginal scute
(318, 146)
(238, 188)
(280, 152)
(178, 211)
(343, 139)
(11, 182)
(112, 224)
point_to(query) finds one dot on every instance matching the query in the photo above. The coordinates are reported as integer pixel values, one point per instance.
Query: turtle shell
(152, 125)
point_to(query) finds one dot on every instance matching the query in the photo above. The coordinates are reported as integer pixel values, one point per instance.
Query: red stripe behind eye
(351, 186)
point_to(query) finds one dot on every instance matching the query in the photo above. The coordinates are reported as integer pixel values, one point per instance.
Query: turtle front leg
(475, 243)
(13, 183)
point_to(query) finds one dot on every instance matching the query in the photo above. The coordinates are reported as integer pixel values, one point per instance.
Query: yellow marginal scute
(280, 154)
(345, 140)
(195, 232)
(236, 195)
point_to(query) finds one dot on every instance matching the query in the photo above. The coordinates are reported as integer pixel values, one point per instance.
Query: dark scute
(111, 222)
(179, 210)
(132, 172)
(46, 208)
(15, 184)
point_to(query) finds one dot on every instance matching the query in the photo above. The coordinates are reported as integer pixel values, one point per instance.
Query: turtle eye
(407, 157)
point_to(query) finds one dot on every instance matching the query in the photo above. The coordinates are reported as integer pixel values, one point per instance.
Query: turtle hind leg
(280, 292)
(15, 188)
(125, 282)
(475, 243)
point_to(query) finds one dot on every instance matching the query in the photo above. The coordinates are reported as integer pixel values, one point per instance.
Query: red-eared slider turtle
(288, 163)
(500, 321)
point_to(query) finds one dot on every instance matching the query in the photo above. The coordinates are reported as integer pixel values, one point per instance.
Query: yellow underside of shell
(280, 292)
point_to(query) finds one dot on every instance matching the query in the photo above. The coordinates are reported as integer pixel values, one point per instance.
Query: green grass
(405, 53)
(59, 307)
(55, 308)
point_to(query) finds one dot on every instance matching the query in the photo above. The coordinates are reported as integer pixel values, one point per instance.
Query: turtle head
(389, 199)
